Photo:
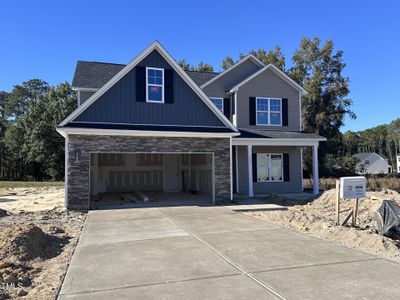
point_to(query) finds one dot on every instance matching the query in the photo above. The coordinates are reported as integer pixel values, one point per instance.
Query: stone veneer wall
(80, 147)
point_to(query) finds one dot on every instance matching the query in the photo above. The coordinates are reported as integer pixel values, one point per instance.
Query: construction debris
(387, 219)
(3, 213)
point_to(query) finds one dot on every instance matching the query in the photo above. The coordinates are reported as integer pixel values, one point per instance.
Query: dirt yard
(37, 239)
(31, 196)
(318, 218)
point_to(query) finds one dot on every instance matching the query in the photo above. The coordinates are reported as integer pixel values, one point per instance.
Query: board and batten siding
(119, 105)
(294, 184)
(268, 84)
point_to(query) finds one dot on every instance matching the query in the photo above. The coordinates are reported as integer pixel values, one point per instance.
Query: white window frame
(218, 98)
(269, 167)
(152, 84)
(268, 111)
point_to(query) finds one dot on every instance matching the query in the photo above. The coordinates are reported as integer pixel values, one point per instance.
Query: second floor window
(155, 85)
(268, 111)
(219, 103)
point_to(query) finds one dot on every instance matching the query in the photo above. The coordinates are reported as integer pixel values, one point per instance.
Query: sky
(44, 39)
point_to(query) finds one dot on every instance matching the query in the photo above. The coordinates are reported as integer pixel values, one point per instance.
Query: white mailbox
(352, 187)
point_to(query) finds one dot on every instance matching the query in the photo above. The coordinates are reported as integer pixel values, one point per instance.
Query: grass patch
(29, 184)
(6, 187)
(374, 183)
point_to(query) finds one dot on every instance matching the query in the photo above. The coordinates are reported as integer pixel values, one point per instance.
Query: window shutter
(286, 170)
(254, 162)
(227, 108)
(140, 84)
(252, 110)
(285, 116)
(168, 86)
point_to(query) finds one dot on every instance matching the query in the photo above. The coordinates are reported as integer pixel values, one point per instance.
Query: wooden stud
(347, 218)
(355, 212)
(337, 202)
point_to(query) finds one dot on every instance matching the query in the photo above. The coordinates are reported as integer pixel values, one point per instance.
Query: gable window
(268, 111)
(218, 102)
(155, 85)
(269, 167)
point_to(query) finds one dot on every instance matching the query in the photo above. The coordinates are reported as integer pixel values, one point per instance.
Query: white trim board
(276, 142)
(163, 52)
(118, 132)
(277, 71)
(250, 56)
(83, 89)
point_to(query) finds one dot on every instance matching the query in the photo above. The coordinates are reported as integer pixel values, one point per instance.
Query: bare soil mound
(35, 249)
(318, 218)
(29, 242)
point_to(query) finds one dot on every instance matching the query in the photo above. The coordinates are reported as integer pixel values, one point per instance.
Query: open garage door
(145, 177)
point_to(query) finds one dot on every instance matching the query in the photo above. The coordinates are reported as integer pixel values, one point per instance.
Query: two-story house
(151, 126)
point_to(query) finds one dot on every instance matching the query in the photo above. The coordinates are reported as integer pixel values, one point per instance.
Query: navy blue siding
(118, 104)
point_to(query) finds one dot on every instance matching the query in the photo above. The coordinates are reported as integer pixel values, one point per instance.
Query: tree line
(382, 139)
(30, 148)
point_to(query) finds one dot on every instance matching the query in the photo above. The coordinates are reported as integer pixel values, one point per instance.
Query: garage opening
(129, 179)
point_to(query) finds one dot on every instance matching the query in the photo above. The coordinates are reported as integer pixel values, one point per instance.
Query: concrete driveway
(193, 252)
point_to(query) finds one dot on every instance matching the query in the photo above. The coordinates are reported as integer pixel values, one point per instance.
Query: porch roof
(274, 134)
(276, 138)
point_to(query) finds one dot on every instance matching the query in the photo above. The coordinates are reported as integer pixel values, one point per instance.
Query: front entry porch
(272, 165)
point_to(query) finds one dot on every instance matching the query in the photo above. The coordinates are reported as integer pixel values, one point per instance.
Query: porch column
(315, 170)
(250, 169)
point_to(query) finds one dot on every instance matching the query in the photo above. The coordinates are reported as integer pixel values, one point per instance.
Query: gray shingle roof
(201, 77)
(92, 74)
(274, 134)
(361, 156)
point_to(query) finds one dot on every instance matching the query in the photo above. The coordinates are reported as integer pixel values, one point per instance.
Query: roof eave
(65, 131)
(84, 89)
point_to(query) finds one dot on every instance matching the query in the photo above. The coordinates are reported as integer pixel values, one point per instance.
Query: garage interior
(131, 179)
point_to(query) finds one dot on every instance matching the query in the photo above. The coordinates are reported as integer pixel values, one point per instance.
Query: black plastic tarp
(387, 219)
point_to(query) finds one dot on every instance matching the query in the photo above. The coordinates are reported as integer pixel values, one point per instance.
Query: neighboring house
(372, 163)
(151, 126)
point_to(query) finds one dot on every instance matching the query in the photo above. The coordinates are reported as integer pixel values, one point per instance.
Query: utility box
(353, 187)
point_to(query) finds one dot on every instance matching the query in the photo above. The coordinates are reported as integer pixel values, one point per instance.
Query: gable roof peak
(251, 57)
(277, 71)
(156, 45)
